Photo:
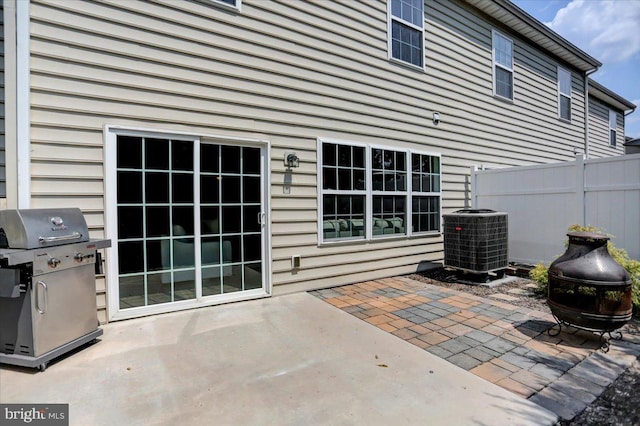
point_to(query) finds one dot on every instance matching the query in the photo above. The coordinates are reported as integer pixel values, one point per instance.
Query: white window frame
(237, 7)
(369, 194)
(392, 18)
(352, 192)
(613, 128)
(383, 193)
(495, 34)
(417, 193)
(566, 73)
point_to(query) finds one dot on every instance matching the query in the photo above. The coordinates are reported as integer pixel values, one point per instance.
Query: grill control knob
(79, 257)
(53, 262)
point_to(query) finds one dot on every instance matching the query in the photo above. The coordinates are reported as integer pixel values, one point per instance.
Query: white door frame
(111, 226)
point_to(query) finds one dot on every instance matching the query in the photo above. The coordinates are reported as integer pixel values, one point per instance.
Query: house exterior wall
(599, 145)
(493, 130)
(289, 73)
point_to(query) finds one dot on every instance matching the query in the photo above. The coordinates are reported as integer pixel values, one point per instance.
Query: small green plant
(540, 274)
(588, 228)
(633, 268)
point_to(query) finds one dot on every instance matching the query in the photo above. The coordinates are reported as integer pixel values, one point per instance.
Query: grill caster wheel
(42, 367)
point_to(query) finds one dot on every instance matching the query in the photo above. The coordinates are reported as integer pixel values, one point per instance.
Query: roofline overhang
(538, 33)
(598, 91)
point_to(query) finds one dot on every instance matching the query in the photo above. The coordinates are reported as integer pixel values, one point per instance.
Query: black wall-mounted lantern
(291, 160)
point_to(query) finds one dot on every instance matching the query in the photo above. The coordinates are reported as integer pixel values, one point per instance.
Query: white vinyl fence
(544, 200)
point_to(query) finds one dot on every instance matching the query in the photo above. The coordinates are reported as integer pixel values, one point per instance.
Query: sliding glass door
(190, 222)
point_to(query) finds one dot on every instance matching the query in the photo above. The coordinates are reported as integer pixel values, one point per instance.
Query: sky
(608, 30)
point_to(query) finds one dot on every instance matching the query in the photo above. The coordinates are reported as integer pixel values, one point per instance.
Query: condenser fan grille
(476, 240)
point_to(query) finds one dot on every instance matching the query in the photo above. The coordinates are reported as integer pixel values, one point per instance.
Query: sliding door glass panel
(155, 221)
(230, 208)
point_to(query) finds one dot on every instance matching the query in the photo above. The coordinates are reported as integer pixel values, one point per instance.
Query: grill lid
(35, 228)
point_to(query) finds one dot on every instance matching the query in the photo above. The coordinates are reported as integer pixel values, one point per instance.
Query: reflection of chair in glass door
(183, 255)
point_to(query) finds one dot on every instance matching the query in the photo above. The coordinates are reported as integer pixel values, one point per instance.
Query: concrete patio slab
(286, 360)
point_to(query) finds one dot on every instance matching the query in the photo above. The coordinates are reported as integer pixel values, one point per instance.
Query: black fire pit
(588, 289)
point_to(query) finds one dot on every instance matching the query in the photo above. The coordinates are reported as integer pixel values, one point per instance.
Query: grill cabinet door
(63, 307)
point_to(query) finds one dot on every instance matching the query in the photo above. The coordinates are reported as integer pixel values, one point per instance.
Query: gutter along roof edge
(546, 38)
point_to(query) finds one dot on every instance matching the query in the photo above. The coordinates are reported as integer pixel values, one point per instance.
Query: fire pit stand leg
(615, 335)
(559, 323)
(604, 346)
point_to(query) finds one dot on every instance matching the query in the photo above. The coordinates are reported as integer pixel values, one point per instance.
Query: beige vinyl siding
(599, 130)
(286, 72)
(526, 130)
(3, 172)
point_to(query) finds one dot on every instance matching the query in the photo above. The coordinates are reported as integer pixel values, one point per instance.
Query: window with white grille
(613, 126)
(564, 94)
(406, 28)
(502, 66)
(370, 192)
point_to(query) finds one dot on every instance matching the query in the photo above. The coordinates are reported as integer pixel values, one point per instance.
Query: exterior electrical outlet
(295, 262)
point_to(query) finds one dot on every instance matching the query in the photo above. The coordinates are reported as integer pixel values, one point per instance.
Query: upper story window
(502, 66)
(236, 4)
(406, 22)
(371, 192)
(613, 126)
(564, 94)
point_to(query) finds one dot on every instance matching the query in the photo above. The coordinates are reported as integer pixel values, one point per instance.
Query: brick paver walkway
(504, 344)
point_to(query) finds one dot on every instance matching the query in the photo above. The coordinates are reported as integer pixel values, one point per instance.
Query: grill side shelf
(16, 257)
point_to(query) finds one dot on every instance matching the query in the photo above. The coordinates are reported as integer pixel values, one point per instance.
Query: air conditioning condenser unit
(476, 241)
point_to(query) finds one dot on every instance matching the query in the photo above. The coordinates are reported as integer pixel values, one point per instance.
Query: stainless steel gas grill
(47, 285)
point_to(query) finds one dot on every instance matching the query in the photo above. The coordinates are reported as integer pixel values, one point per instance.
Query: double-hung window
(425, 194)
(502, 66)
(406, 38)
(344, 192)
(370, 192)
(613, 125)
(389, 191)
(564, 94)
(235, 4)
